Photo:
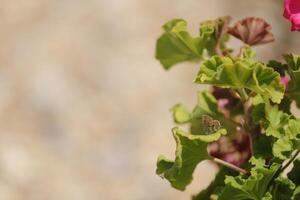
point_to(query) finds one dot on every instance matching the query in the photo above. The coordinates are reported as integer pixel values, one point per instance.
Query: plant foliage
(247, 112)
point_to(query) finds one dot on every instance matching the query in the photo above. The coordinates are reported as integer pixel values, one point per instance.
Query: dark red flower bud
(252, 31)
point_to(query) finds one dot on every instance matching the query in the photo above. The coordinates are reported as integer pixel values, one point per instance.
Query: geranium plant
(243, 123)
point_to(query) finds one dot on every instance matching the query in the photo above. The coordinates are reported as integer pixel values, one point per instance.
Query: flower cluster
(292, 13)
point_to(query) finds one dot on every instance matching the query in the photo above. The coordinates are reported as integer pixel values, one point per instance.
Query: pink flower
(292, 13)
(222, 103)
(285, 81)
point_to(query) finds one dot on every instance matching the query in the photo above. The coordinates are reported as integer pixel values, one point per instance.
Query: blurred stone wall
(84, 104)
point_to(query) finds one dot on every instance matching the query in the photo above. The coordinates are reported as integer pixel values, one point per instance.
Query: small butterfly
(210, 125)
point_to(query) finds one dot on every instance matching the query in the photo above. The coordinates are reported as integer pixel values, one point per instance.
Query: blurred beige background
(84, 104)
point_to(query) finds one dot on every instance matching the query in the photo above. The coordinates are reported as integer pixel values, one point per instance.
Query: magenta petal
(285, 81)
(222, 103)
(295, 19)
(287, 11)
(294, 6)
(292, 13)
(286, 14)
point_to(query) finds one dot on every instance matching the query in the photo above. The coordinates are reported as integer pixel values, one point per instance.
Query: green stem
(243, 94)
(241, 52)
(230, 166)
(244, 97)
(293, 78)
(290, 161)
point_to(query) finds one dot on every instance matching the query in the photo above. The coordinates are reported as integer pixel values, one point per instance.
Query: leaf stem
(285, 166)
(244, 98)
(293, 78)
(229, 165)
(290, 161)
(243, 94)
(241, 52)
(218, 50)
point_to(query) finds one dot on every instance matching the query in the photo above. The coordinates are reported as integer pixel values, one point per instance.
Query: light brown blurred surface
(84, 104)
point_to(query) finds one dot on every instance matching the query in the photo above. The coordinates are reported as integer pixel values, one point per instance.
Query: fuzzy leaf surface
(190, 150)
(240, 74)
(254, 187)
(176, 44)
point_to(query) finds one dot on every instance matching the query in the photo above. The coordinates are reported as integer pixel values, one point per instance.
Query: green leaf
(248, 54)
(294, 87)
(257, 99)
(293, 128)
(286, 133)
(258, 112)
(176, 44)
(255, 187)
(267, 196)
(277, 66)
(296, 195)
(207, 31)
(180, 114)
(212, 33)
(267, 82)
(277, 119)
(190, 150)
(283, 148)
(262, 147)
(206, 105)
(240, 74)
(283, 189)
(294, 174)
(284, 129)
(293, 132)
(293, 63)
(233, 193)
(215, 185)
(285, 105)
